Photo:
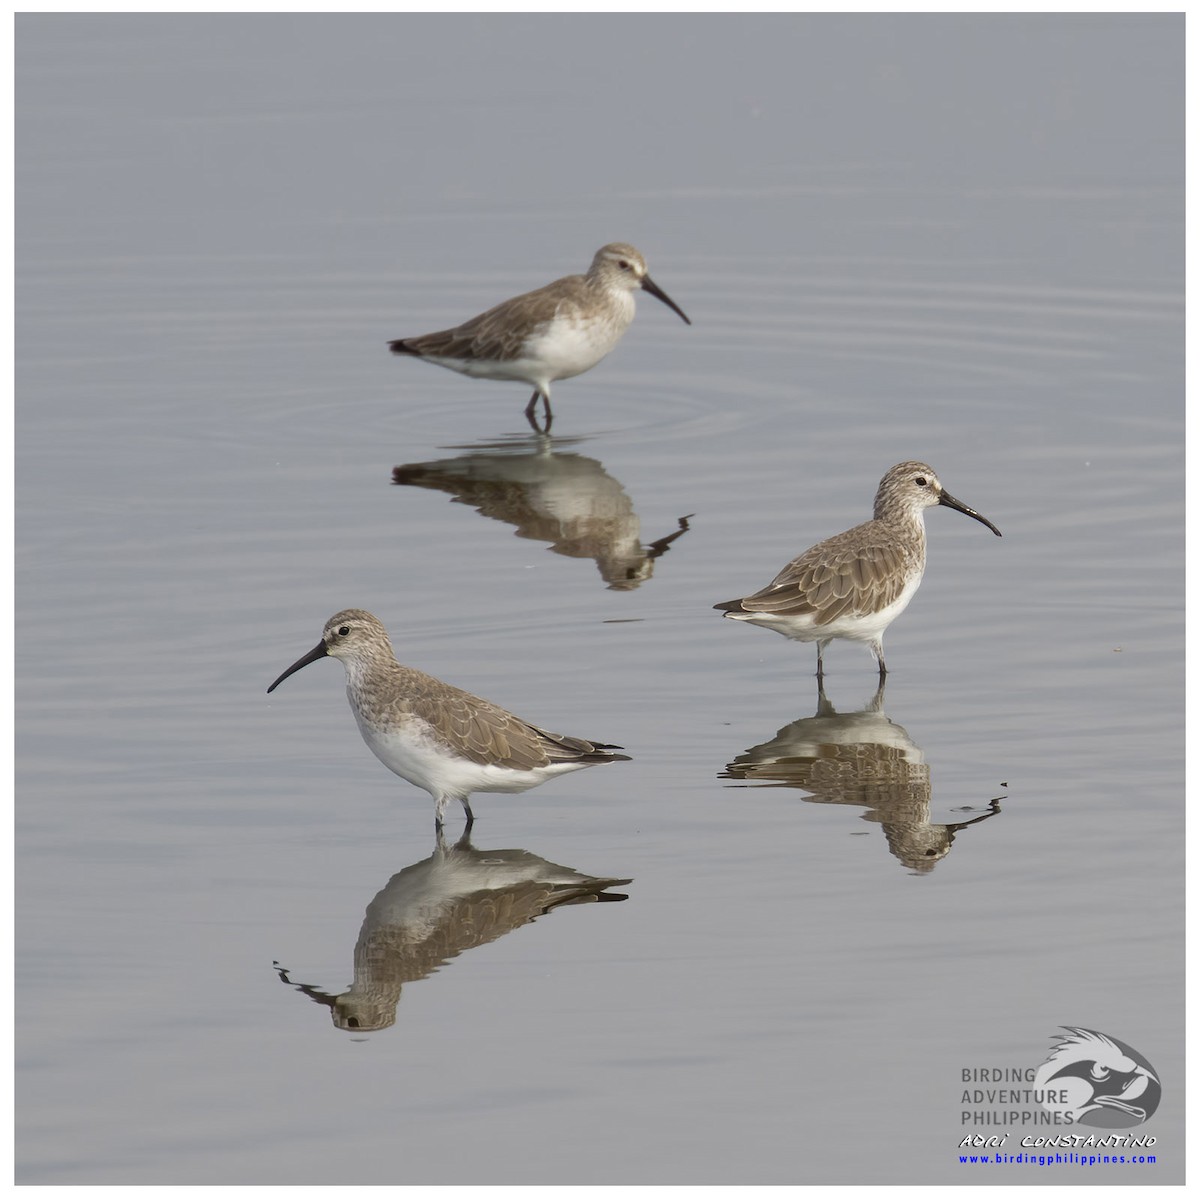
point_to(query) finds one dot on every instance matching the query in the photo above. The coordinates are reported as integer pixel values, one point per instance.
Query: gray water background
(957, 239)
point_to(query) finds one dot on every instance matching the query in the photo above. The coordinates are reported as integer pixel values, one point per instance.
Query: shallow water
(889, 250)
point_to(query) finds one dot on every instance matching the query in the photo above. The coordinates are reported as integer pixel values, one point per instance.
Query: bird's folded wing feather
(501, 332)
(486, 733)
(836, 578)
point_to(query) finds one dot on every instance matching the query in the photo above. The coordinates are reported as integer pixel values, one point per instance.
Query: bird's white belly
(568, 346)
(487, 368)
(413, 753)
(864, 627)
(561, 350)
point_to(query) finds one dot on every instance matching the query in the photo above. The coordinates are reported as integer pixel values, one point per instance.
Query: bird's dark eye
(343, 630)
(623, 265)
(921, 481)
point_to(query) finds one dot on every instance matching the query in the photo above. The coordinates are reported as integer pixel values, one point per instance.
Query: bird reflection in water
(566, 499)
(861, 758)
(429, 913)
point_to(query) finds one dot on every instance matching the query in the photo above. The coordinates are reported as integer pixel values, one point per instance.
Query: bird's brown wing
(851, 574)
(486, 733)
(499, 333)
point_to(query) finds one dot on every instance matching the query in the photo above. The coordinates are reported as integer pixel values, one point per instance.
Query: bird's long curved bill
(950, 502)
(648, 285)
(318, 651)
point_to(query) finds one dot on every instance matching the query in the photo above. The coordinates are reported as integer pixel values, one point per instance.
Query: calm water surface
(953, 239)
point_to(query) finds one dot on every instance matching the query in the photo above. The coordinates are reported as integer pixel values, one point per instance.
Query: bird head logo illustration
(1100, 1080)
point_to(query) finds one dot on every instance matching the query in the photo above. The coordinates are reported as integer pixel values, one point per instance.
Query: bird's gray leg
(532, 419)
(820, 664)
(466, 803)
(877, 650)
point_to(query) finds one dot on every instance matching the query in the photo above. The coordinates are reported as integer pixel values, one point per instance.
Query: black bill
(648, 285)
(950, 502)
(318, 651)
